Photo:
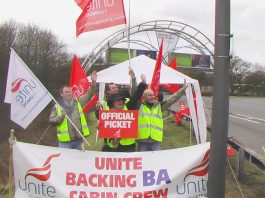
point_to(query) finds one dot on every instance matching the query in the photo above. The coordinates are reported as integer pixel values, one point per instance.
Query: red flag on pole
(80, 84)
(97, 16)
(78, 79)
(156, 75)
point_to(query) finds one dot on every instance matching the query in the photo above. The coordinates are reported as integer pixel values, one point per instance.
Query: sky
(59, 16)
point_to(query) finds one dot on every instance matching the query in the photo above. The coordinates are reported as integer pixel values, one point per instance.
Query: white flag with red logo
(156, 75)
(99, 15)
(24, 92)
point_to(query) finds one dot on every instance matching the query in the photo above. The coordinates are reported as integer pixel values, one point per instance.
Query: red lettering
(137, 163)
(94, 195)
(81, 180)
(70, 179)
(119, 180)
(72, 194)
(83, 194)
(148, 194)
(118, 163)
(131, 180)
(160, 193)
(91, 182)
(102, 180)
(99, 166)
(137, 195)
(111, 164)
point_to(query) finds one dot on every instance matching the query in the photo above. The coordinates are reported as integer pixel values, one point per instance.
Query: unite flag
(99, 14)
(78, 80)
(27, 96)
(80, 84)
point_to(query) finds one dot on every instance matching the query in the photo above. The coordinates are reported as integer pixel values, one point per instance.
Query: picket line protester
(42, 171)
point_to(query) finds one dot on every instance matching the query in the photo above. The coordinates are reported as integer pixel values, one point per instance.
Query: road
(246, 121)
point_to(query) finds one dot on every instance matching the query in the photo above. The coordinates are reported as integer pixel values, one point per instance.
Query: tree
(238, 70)
(8, 32)
(256, 78)
(44, 54)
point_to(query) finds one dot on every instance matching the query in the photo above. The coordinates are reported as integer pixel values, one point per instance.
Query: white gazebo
(144, 65)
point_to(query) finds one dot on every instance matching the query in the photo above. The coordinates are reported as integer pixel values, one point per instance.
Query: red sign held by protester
(118, 124)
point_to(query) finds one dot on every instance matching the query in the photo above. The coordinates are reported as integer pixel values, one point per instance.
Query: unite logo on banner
(195, 179)
(34, 184)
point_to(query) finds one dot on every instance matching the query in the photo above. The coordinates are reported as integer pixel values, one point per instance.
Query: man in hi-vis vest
(150, 119)
(68, 136)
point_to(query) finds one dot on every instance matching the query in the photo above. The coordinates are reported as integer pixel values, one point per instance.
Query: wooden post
(10, 177)
(241, 159)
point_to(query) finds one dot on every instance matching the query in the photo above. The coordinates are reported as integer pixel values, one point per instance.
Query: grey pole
(220, 106)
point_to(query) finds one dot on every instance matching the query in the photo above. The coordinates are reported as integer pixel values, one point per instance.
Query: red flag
(97, 16)
(156, 75)
(82, 3)
(80, 84)
(90, 103)
(172, 87)
(78, 80)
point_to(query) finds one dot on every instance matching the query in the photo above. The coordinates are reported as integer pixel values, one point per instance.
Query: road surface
(246, 121)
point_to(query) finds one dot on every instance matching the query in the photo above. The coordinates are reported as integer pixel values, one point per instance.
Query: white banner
(169, 41)
(24, 92)
(41, 171)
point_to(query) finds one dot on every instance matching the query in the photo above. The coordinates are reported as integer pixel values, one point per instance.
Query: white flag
(24, 92)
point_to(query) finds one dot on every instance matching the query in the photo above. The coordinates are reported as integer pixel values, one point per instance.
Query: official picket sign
(118, 124)
(42, 171)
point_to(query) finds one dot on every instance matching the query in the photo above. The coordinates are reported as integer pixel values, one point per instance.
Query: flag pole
(50, 95)
(128, 40)
(128, 35)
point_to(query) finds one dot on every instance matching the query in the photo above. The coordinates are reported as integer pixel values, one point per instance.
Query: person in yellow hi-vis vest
(117, 101)
(150, 119)
(68, 136)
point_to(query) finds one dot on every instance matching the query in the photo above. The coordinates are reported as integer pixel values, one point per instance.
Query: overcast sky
(59, 16)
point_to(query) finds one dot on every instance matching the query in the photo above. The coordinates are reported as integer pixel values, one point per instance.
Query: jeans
(149, 146)
(76, 144)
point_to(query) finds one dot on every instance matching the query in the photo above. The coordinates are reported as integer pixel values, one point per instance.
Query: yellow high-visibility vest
(150, 122)
(63, 129)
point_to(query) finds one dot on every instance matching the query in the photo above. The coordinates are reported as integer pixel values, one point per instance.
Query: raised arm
(92, 89)
(133, 87)
(174, 97)
(135, 99)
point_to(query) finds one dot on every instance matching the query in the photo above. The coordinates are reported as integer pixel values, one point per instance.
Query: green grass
(253, 184)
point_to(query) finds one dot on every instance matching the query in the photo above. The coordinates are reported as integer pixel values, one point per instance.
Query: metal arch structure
(197, 40)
